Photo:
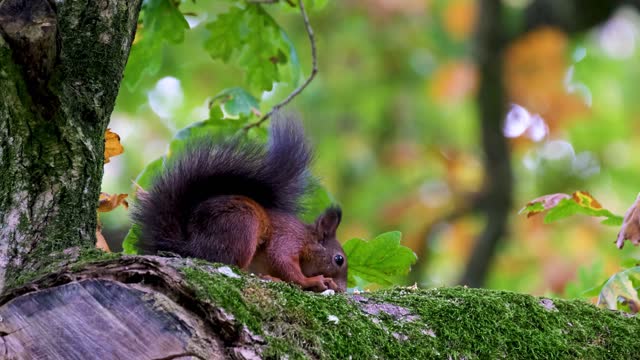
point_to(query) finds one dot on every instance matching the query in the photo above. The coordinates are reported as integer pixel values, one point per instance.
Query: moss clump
(437, 323)
(51, 263)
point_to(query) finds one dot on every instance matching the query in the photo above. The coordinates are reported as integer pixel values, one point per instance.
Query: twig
(314, 71)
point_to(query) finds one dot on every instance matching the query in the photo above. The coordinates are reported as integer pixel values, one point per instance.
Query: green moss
(225, 293)
(443, 323)
(53, 262)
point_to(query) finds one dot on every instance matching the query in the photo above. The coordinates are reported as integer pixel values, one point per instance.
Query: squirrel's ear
(328, 222)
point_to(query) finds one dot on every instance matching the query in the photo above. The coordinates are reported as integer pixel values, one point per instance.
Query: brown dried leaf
(630, 229)
(112, 146)
(108, 202)
(101, 242)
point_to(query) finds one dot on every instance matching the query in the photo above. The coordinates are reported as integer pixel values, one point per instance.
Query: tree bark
(166, 308)
(60, 69)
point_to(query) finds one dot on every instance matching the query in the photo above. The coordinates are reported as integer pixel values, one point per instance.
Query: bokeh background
(395, 117)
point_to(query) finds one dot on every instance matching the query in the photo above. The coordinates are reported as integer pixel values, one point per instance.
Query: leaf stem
(299, 89)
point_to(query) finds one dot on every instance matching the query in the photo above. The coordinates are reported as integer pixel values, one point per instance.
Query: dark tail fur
(275, 177)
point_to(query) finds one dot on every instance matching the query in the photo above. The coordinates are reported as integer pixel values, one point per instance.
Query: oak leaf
(542, 203)
(108, 202)
(561, 206)
(112, 146)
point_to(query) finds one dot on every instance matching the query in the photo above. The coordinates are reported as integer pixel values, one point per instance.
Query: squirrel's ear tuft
(328, 222)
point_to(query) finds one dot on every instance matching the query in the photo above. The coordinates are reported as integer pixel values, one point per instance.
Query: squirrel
(235, 202)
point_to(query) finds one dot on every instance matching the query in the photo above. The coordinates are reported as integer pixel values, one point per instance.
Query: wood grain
(100, 319)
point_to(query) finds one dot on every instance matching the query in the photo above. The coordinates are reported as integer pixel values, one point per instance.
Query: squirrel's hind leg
(226, 229)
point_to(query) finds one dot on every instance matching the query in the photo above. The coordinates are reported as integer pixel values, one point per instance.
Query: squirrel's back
(275, 177)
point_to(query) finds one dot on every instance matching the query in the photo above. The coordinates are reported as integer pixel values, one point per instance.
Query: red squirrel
(235, 202)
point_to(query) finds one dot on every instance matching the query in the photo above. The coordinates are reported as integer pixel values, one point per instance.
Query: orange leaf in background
(108, 202)
(534, 73)
(453, 82)
(459, 18)
(630, 229)
(112, 146)
(535, 64)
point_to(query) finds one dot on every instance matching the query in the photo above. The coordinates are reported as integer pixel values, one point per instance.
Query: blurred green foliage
(392, 114)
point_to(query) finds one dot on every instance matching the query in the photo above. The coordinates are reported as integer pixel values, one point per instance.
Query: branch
(181, 306)
(314, 71)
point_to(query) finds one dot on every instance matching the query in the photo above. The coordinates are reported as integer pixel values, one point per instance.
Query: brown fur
(235, 202)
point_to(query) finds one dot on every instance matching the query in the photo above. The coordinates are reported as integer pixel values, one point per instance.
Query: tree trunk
(60, 69)
(168, 308)
(491, 101)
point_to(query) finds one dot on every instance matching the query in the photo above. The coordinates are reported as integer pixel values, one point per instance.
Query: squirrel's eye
(339, 259)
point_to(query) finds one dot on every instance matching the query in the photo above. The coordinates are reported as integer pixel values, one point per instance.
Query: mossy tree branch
(182, 307)
(60, 69)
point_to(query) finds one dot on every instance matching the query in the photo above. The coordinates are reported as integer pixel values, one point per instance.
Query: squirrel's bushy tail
(275, 177)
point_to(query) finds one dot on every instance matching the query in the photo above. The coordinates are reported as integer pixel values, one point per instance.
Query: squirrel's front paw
(320, 283)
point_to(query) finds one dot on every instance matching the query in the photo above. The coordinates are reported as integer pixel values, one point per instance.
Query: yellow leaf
(112, 146)
(108, 202)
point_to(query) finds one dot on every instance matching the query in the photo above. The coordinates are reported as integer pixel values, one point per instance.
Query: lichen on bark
(52, 122)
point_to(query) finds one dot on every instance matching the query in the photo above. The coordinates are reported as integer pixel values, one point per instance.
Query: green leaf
(153, 169)
(236, 101)
(561, 206)
(308, 5)
(250, 36)
(621, 290)
(144, 60)
(295, 74)
(588, 275)
(315, 201)
(210, 128)
(568, 207)
(226, 34)
(380, 261)
(533, 208)
(130, 243)
(615, 220)
(319, 4)
(161, 21)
